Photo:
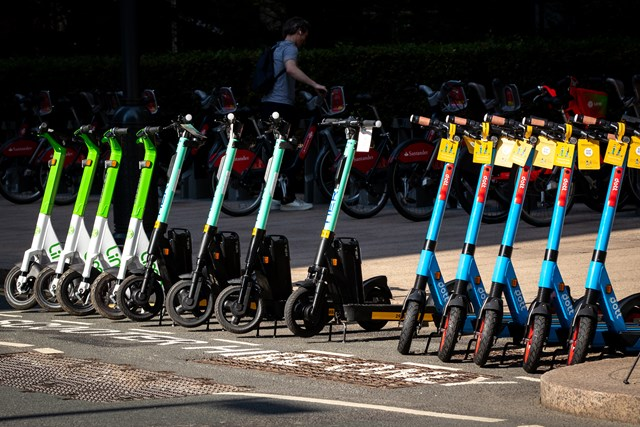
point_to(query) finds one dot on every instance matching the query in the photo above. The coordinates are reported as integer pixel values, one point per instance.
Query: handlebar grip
(120, 131)
(86, 129)
(495, 120)
(371, 123)
(461, 121)
(534, 121)
(420, 120)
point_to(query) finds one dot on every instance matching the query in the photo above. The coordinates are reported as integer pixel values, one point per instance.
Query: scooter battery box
(275, 261)
(348, 251)
(226, 255)
(180, 244)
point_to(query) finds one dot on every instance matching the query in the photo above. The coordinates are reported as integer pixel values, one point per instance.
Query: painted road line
(14, 344)
(405, 411)
(329, 353)
(71, 322)
(532, 379)
(10, 315)
(48, 350)
(426, 365)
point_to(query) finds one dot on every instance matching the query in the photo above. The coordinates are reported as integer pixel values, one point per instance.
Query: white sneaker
(275, 205)
(296, 205)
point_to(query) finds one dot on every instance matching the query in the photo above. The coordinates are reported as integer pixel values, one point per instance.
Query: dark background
(74, 27)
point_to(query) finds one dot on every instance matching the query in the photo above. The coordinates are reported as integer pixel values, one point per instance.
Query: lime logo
(113, 256)
(94, 233)
(97, 265)
(38, 230)
(54, 251)
(130, 234)
(71, 230)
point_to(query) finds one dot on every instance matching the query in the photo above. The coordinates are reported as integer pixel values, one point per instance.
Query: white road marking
(10, 315)
(329, 353)
(147, 331)
(247, 352)
(236, 342)
(481, 381)
(48, 350)
(370, 406)
(426, 365)
(14, 344)
(72, 322)
(532, 379)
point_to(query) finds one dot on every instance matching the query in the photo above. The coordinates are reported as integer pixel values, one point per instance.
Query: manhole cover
(347, 369)
(96, 381)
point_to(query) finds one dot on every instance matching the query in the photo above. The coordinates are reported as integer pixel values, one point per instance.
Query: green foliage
(388, 72)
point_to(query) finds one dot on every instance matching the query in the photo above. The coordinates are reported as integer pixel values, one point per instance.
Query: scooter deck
(391, 312)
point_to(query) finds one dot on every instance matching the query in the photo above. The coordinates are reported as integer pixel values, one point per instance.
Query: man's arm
(294, 71)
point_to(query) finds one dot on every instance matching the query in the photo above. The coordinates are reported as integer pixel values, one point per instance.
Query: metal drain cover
(96, 381)
(348, 369)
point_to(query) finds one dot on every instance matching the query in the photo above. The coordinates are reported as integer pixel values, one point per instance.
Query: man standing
(282, 97)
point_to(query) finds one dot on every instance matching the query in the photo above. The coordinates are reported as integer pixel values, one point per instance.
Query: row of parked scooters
(151, 276)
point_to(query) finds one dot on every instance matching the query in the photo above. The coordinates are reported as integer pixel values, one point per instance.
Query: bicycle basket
(226, 102)
(454, 98)
(336, 100)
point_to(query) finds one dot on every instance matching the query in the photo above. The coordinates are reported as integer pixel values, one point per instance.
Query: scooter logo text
(564, 188)
(615, 187)
(446, 181)
(484, 185)
(522, 184)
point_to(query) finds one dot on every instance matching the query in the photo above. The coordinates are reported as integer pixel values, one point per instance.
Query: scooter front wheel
(202, 308)
(485, 337)
(20, 299)
(581, 337)
(44, 291)
(452, 326)
(72, 296)
(297, 313)
(536, 335)
(136, 305)
(103, 296)
(409, 327)
(228, 313)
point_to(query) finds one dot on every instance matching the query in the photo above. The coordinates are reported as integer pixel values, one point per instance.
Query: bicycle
(248, 174)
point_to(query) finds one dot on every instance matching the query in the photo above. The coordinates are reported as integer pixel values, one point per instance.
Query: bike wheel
(200, 313)
(365, 195)
(103, 296)
(633, 178)
(413, 189)
(74, 298)
(325, 171)
(498, 197)
(19, 182)
(44, 291)
(409, 327)
(69, 184)
(227, 314)
(536, 336)
(581, 338)
(297, 313)
(374, 295)
(134, 304)
(453, 324)
(19, 299)
(486, 336)
(595, 185)
(539, 201)
(244, 192)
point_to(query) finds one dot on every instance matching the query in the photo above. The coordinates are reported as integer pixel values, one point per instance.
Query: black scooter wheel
(17, 299)
(453, 323)
(536, 336)
(581, 337)
(45, 294)
(103, 296)
(74, 299)
(409, 327)
(374, 295)
(486, 336)
(190, 317)
(226, 305)
(134, 304)
(297, 313)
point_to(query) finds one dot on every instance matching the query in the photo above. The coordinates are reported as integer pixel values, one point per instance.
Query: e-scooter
(74, 284)
(45, 246)
(335, 278)
(190, 302)
(619, 324)
(77, 241)
(265, 283)
(141, 296)
(134, 253)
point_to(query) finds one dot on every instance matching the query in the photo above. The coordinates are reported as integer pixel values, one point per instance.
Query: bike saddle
(482, 95)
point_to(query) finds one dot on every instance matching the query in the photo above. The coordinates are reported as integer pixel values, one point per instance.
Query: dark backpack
(264, 76)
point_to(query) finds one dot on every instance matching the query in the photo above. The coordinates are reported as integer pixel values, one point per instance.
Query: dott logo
(522, 184)
(484, 185)
(615, 187)
(446, 181)
(564, 188)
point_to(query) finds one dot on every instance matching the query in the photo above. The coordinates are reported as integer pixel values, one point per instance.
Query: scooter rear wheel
(137, 306)
(453, 324)
(536, 336)
(486, 336)
(374, 295)
(225, 306)
(409, 327)
(201, 312)
(45, 295)
(297, 313)
(16, 299)
(103, 296)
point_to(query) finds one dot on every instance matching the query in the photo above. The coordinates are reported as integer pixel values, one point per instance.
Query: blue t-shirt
(284, 89)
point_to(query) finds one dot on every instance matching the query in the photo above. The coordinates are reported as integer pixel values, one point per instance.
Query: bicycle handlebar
(424, 121)
(352, 122)
(85, 129)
